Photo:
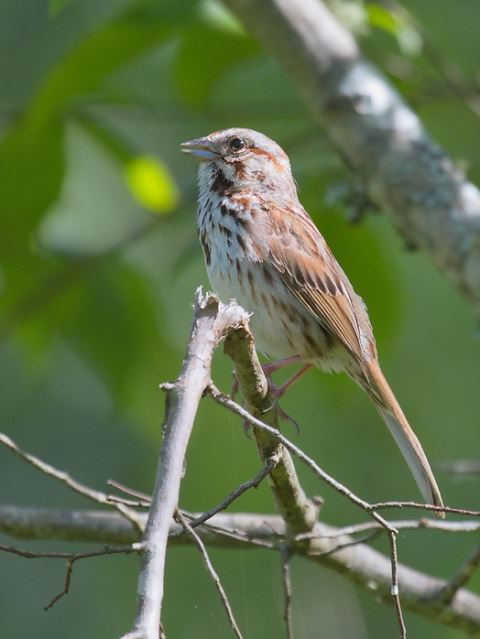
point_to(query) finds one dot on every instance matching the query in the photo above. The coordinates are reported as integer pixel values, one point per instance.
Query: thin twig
(212, 572)
(90, 493)
(419, 506)
(71, 558)
(133, 503)
(402, 524)
(142, 499)
(348, 544)
(251, 483)
(232, 533)
(287, 592)
(132, 492)
(395, 592)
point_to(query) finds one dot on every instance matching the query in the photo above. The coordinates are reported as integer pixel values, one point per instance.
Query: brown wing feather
(314, 277)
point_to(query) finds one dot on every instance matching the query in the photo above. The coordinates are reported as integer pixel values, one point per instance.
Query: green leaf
(205, 56)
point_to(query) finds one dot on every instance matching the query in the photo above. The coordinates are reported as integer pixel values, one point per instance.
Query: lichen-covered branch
(405, 172)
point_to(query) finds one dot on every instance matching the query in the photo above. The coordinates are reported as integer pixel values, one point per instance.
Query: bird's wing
(308, 268)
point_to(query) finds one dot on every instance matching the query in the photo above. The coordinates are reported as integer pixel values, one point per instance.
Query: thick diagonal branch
(299, 512)
(405, 172)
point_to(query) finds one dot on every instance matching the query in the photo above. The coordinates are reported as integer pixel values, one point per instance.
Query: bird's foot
(281, 415)
(279, 391)
(276, 391)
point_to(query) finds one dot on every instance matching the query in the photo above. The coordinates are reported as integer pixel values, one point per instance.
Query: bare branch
(381, 505)
(330, 547)
(406, 174)
(231, 533)
(71, 558)
(143, 499)
(90, 493)
(287, 593)
(395, 590)
(216, 579)
(351, 541)
(211, 320)
(409, 524)
(97, 526)
(116, 499)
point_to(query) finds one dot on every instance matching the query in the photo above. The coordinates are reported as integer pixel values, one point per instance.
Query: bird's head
(241, 159)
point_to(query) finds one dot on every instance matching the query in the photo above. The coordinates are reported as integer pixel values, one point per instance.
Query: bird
(263, 249)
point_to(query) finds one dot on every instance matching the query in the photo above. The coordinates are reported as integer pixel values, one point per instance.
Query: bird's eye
(236, 144)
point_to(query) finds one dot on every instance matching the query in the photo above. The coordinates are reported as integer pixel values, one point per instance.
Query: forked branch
(295, 532)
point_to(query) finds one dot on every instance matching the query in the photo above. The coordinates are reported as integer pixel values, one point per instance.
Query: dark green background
(92, 319)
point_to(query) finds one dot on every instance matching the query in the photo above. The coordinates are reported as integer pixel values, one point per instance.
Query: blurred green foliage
(97, 289)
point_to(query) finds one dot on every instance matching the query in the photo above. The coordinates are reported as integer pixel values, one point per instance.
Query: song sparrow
(263, 249)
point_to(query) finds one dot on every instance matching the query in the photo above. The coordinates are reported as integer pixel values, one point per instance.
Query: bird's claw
(287, 418)
(280, 414)
(276, 391)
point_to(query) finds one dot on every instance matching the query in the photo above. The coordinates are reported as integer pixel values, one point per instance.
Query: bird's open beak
(201, 148)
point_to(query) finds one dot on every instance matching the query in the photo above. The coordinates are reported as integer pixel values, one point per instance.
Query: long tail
(381, 394)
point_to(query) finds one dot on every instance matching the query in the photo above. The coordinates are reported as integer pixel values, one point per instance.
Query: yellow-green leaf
(151, 184)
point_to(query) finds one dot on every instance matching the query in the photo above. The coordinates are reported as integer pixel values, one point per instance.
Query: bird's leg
(273, 367)
(276, 391)
(279, 391)
(268, 369)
